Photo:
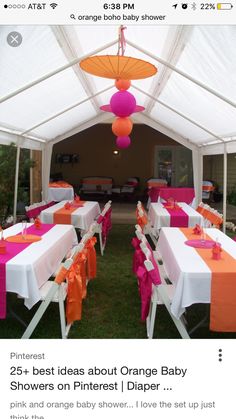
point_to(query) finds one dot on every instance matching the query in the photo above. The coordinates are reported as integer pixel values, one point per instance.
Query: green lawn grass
(112, 307)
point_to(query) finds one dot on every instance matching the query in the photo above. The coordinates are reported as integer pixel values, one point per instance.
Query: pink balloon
(123, 142)
(123, 103)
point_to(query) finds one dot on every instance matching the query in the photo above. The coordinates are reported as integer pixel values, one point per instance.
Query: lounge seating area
(96, 185)
(103, 187)
(128, 190)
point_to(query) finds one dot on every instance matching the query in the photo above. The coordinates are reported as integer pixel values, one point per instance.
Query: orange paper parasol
(118, 67)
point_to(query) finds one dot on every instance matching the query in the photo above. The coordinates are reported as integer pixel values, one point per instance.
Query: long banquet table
(81, 217)
(178, 194)
(161, 217)
(190, 273)
(32, 267)
(60, 194)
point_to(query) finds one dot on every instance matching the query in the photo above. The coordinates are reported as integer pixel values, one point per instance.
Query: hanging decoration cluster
(123, 104)
(123, 69)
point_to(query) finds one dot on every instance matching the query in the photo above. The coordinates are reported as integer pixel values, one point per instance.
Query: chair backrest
(211, 216)
(34, 210)
(106, 207)
(141, 215)
(146, 271)
(207, 188)
(132, 181)
(156, 183)
(97, 183)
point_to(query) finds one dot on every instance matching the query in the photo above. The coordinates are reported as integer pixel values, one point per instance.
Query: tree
(7, 178)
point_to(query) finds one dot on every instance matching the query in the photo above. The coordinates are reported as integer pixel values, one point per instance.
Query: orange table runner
(156, 184)
(223, 287)
(208, 188)
(59, 184)
(63, 216)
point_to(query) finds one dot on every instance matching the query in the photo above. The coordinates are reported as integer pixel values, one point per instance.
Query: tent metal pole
(145, 119)
(67, 110)
(103, 116)
(31, 180)
(53, 73)
(70, 53)
(224, 188)
(204, 144)
(182, 73)
(179, 113)
(16, 134)
(16, 182)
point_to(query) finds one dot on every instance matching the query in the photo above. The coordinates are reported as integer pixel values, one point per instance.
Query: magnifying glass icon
(72, 17)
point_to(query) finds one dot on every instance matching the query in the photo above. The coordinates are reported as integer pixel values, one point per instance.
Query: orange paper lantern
(122, 127)
(122, 84)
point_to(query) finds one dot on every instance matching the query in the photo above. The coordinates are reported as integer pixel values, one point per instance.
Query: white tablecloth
(81, 218)
(60, 194)
(160, 217)
(186, 269)
(31, 268)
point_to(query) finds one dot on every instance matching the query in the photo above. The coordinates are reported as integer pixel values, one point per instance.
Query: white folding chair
(148, 228)
(161, 294)
(98, 226)
(52, 291)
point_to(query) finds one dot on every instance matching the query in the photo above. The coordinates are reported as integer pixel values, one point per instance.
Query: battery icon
(224, 6)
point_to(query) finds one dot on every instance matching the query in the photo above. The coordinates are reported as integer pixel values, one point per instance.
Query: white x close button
(14, 39)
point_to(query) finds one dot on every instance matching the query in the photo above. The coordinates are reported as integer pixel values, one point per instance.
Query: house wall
(213, 170)
(95, 148)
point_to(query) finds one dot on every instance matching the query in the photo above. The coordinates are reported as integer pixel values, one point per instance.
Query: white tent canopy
(45, 97)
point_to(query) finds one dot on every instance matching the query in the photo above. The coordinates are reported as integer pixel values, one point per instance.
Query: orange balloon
(122, 127)
(122, 84)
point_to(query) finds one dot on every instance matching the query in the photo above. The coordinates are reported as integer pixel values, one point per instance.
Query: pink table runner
(178, 194)
(154, 192)
(178, 218)
(13, 249)
(34, 212)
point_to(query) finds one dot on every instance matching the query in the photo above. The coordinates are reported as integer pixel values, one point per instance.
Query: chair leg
(62, 314)
(152, 317)
(40, 312)
(178, 322)
(101, 244)
(153, 238)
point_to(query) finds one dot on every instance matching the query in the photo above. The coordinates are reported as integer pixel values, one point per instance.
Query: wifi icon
(53, 5)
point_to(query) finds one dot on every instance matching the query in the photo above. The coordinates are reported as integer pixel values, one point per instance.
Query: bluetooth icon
(194, 6)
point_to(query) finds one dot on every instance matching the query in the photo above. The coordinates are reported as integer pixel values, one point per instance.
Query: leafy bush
(232, 196)
(7, 178)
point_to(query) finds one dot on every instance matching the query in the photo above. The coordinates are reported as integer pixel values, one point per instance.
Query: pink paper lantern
(123, 103)
(123, 142)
